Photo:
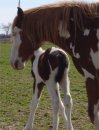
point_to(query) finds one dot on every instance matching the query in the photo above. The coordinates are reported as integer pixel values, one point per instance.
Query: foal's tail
(63, 64)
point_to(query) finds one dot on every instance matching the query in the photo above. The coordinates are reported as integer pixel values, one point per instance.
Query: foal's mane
(40, 23)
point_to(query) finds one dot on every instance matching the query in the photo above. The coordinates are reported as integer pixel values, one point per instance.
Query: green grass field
(16, 94)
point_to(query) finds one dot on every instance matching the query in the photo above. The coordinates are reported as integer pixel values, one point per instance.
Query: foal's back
(46, 62)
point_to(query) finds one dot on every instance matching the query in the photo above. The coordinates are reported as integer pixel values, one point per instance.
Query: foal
(51, 68)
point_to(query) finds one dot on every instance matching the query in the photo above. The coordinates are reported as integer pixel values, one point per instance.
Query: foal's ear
(20, 12)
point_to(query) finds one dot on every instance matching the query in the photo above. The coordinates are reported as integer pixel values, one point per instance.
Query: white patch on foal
(95, 57)
(86, 32)
(37, 54)
(96, 115)
(76, 55)
(87, 74)
(63, 32)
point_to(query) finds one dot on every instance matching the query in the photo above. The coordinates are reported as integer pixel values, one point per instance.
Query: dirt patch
(8, 128)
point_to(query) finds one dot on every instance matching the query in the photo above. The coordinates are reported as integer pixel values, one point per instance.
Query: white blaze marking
(15, 48)
(87, 74)
(16, 43)
(63, 32)
(76, 55)
(86, 32)
(95, 57)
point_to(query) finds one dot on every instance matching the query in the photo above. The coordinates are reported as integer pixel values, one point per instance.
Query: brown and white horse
(51, 68)
(72, 26)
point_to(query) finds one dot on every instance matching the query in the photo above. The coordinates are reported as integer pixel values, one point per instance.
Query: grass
(16, 94)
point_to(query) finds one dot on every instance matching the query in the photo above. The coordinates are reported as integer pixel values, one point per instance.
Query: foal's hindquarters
(53, 85)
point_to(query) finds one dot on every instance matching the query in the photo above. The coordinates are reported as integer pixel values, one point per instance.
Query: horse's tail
(63, 64)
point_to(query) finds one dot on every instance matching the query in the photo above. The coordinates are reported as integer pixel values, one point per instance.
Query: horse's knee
(55, 103)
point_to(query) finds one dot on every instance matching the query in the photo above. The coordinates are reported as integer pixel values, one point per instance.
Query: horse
(74, 27)
(51, 68)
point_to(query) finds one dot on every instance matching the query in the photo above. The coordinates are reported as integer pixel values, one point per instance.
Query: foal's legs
(53, 89)
(35, 99)
(65, 83)
(62, 108)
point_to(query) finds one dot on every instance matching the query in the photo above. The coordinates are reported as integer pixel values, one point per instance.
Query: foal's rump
(52, 61)
(58, 59)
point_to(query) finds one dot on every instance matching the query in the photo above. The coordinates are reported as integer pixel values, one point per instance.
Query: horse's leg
(65, 84)
(35, 99)
(53, 92)
(92, 87)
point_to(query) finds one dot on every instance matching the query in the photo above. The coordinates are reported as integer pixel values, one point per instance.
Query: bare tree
(6, 28)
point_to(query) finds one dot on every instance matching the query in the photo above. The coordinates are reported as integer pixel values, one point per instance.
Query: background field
(16, 94)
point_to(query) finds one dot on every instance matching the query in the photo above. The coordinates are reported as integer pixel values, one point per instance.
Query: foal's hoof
(28, 128)
(71, 128)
